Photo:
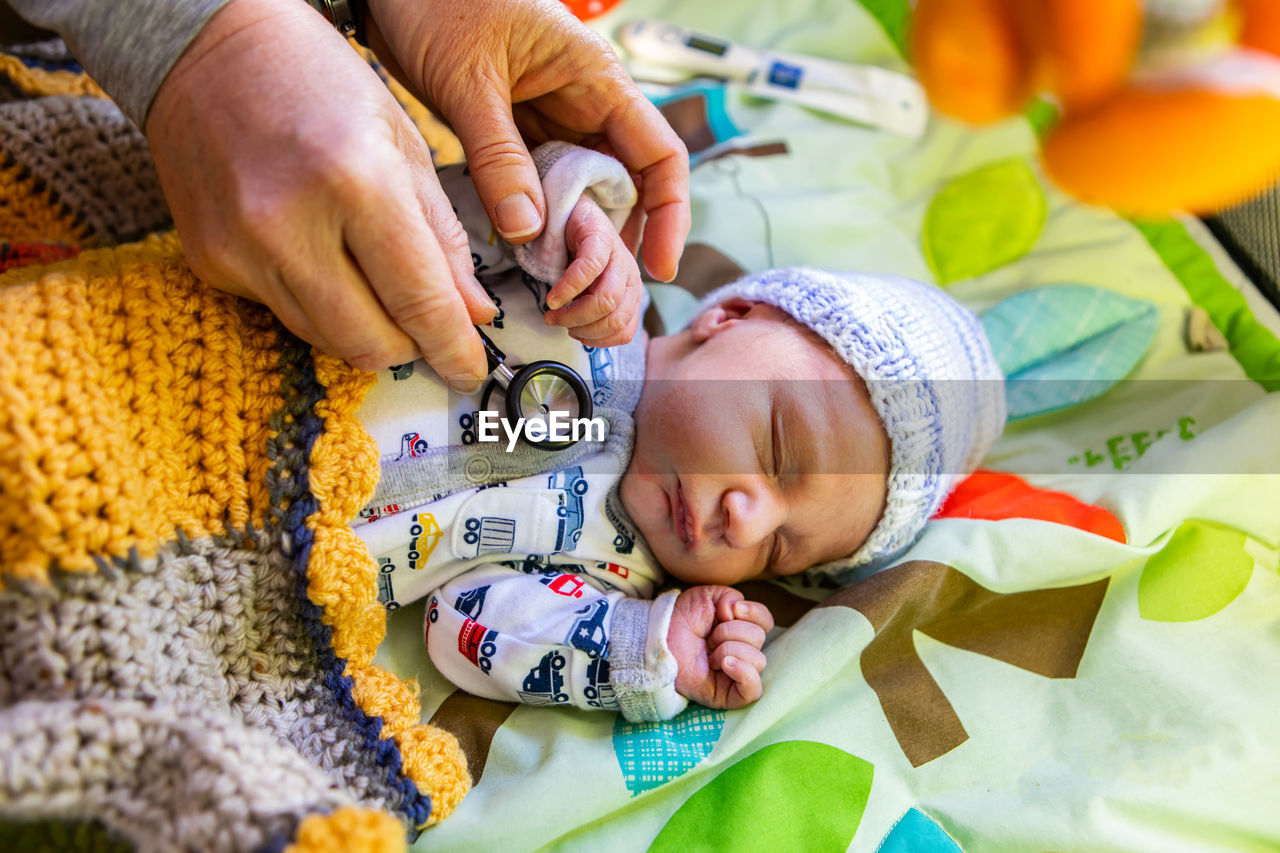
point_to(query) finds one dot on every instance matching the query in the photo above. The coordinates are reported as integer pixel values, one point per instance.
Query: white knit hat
(928, 368)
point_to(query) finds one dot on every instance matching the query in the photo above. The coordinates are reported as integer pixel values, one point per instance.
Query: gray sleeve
(127, 46)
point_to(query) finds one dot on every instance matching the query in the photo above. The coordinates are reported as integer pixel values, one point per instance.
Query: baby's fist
(598, 297)
(716, 637)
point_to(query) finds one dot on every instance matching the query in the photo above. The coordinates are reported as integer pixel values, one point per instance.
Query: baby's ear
(719, 317)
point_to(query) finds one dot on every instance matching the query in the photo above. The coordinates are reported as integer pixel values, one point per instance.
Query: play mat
(1078, 655)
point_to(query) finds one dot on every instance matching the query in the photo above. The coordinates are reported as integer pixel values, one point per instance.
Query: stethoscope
(533, 391)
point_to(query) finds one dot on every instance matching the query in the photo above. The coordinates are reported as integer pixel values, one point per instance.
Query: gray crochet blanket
(187, 625)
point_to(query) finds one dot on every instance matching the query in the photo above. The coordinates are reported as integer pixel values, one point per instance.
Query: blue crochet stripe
(289, 481)
(44, 64)
(278, 843)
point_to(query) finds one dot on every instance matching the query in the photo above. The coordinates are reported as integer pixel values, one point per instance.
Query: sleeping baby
(804, 421)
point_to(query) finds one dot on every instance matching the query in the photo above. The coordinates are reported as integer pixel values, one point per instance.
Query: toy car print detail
(601, 370)
(569, 586)
(387, 594)
(599, 690)
(615, 569)
(572, 486)
(588, 634)
(490, 534)
(471, 602)
(478, 644)
(425, 533)
(412, 444)
(534, 564)
(433, 616)
(373, 513)
(543, 684)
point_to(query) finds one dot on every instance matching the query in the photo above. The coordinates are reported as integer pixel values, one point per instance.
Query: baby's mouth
(682, 519)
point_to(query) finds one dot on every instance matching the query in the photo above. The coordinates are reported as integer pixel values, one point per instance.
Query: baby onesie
(538, 587)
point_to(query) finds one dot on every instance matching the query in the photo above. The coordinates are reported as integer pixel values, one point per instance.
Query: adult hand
(716, 638)
(497, 69)
(296, 179)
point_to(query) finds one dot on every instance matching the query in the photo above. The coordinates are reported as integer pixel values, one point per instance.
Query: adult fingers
(501, 167)
(406, 265)
(282, 303)
(348, 320)
(647, 145)
(444, 223)
(278, 296)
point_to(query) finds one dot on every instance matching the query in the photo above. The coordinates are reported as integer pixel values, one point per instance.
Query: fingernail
(554, 302)
(464, 384)
(730, 662)
(517, 216)
(674, 275)
(741, 611)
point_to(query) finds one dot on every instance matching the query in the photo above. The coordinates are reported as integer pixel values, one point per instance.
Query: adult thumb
(500, 165)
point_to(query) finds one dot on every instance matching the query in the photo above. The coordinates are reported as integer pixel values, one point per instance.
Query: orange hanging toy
(1164, 105)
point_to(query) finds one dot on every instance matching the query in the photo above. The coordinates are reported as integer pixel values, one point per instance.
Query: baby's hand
(598, 297)
(716, 638)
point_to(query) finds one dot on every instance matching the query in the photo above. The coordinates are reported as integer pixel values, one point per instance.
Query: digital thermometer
(863, 93)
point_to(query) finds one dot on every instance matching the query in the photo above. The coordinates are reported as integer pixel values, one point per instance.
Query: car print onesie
(538, 588)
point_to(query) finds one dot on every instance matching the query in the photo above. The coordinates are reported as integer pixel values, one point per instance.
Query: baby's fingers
(755, 612)
(590, 260)
(744, 653)
(747, 687)
(726, 599)
(614, 297)
(739, 631)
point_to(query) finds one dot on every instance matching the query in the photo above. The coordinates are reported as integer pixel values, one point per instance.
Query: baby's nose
(751, 513)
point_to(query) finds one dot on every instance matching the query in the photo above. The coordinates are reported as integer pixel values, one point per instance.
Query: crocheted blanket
(187, 625)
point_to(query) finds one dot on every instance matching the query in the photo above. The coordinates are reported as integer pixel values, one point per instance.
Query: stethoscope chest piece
(543, 391)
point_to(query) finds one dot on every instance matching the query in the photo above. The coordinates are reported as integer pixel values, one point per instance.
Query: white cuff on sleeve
(643, 670)
(568, 171)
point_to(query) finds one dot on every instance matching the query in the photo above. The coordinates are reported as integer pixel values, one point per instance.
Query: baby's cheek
(724, 568)
(846, 515)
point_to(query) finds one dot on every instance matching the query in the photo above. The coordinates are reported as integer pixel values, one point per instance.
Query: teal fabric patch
(652, 754)
(716, 115)
(1063, 344)
(916, 833)
(983, 220)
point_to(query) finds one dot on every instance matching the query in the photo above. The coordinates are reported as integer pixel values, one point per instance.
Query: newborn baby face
(758, 452)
